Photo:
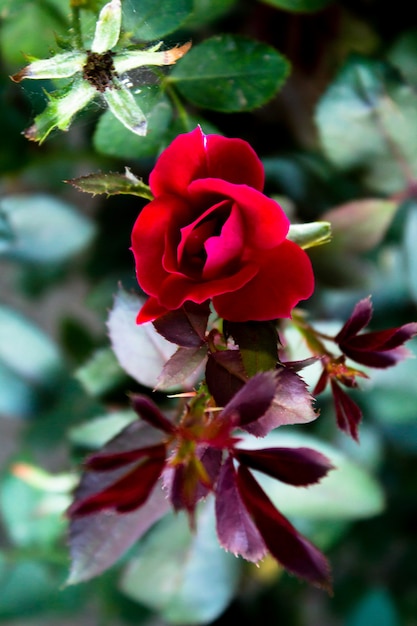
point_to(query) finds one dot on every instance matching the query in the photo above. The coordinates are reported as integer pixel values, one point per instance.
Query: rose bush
(210, 233)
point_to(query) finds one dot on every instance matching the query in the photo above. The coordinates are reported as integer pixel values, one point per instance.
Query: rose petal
(285, 277)
(195, 155)
(149, 236)
(265, 223)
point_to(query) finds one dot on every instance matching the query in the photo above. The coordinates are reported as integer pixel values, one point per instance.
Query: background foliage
(326, 94)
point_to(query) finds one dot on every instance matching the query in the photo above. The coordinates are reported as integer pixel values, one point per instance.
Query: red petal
(149, 235)
(195, 155)
(291, 549)
(284, 277)
(150, 311)
(265, 223)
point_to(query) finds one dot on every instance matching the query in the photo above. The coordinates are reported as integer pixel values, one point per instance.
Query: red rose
(210, 232)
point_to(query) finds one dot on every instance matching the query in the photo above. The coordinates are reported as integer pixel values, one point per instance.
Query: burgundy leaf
(253, 400)
(181, 366)
(235, 529)
(295, 466)
(380, 348)
(128, 492)
(360, 318)
(98, 540)
(225, 375)
(283, 541)
(186, 326)
(102, 462)
(292, 404)
(148, 411)
(348, 414)
(183, 483)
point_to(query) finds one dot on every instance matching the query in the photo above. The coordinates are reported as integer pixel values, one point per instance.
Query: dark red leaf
(348, 414)
(98, 540)
(128, 492)
(102, 462)
(184, 483)
(148, 411)
(253, 400)
(186, 326)
(295, 466)
(283, 541)
(292, 404)
(380, 348)
(225, 375)
(236, 531)
(182, 366)
(361, 316)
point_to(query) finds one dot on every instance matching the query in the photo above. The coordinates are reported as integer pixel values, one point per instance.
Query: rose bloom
(210, 233)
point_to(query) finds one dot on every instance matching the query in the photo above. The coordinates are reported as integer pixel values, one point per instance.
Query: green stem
(181, 110)
(76, 27)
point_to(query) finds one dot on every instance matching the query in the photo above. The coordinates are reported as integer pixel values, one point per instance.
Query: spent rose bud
(211, 233)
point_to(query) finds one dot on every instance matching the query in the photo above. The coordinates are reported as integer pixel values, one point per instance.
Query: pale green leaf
(185, 576)
(140, 350)
(38, 223)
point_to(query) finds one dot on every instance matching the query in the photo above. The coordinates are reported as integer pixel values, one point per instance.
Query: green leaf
(366, 120)
(410, 249)
(111, 184)
(360, 225)
(113, 139)
(375, 607)
(99, 430)
(26, 524)
(140, 350)
(258, 345)
(45, 229)
(152, 19)
(310, 234)
(17, 397)
(27, 351)
(230, 73)
(205, 11)
(26, 587)
(185, 576)
(347, 492)
(299, 6)
(403, 55)
(6, 233)
(101, 373)
(30, 28)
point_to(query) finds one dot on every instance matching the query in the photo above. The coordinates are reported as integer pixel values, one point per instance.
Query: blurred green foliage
(326, 94)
